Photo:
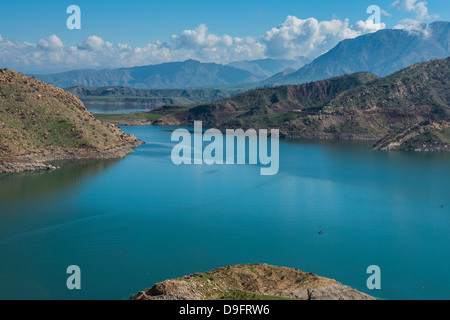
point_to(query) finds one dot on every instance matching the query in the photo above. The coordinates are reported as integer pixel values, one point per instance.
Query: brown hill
(39, 122)
(251, 282)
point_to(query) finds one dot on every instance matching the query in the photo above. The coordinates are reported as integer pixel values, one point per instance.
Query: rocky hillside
(428, 136)
(271, 106)
(409, 97)
(39, 122)
(251, 282)
(358, 106)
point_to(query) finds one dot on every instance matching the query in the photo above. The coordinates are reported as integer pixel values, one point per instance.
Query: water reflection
(70, 175)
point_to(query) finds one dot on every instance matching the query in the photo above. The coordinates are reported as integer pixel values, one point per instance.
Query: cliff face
(40, 122)
(251, 282)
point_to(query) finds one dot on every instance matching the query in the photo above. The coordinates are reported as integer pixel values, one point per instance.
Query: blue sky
(171, 29)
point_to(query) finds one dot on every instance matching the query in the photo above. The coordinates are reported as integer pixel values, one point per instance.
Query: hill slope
(412, 96)
(187, 74)
(264, 107)
(42, 122)
(251, 282)
(150, 98)
(358, 106)
(381, 53)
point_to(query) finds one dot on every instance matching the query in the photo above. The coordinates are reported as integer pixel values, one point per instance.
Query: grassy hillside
(36, 117)
(412, 96)
(264, 107)
(146, 97)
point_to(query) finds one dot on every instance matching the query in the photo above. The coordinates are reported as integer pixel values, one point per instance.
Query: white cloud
(51, 43)
(418, 7)
(385, 13)
(369, 26)
(310, 38)
(414, 26)
(294, 37)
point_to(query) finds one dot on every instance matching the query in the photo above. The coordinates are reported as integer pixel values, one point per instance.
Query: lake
(131, 222)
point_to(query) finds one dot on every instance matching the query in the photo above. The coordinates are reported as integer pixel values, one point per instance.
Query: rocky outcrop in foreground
(251, 282)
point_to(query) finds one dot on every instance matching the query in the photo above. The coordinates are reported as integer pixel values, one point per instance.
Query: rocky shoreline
(251, 282)
(411, 139)
(41, 123)
(426, 137)
(37, 161)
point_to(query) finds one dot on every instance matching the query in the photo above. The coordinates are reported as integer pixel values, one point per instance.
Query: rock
(251, 282)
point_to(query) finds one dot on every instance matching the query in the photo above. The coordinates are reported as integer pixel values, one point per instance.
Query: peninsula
(40, 123)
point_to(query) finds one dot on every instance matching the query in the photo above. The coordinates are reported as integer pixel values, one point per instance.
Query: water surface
(132, 222)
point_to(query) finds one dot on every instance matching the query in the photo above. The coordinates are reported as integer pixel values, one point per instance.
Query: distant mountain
(266, 68)
(412, 105)
(381, 53)
(187, 74)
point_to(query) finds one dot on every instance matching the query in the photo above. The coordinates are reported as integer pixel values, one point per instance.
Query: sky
(34, 37)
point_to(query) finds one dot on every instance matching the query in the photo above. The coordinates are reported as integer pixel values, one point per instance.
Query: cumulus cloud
(414, 27)
(294, 37)
(310, 37)
(419, 8)
(51, 43)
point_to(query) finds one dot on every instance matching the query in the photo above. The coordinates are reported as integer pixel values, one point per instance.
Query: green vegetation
(248, 282)
(148, 97)
(142, 116)
(245, 295)
(36, 117)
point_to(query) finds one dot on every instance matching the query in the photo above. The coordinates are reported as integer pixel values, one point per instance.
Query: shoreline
(36, 161)
(390, 142)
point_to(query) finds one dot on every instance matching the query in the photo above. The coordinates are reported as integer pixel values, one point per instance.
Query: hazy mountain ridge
(265, 68)
(187, 74)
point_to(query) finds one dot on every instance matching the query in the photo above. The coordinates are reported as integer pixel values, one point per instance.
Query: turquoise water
(132, 222)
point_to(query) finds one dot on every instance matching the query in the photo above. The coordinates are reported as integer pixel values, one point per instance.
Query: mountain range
(381, 53)
(265, 68)
(187, 74)
(412, 105)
